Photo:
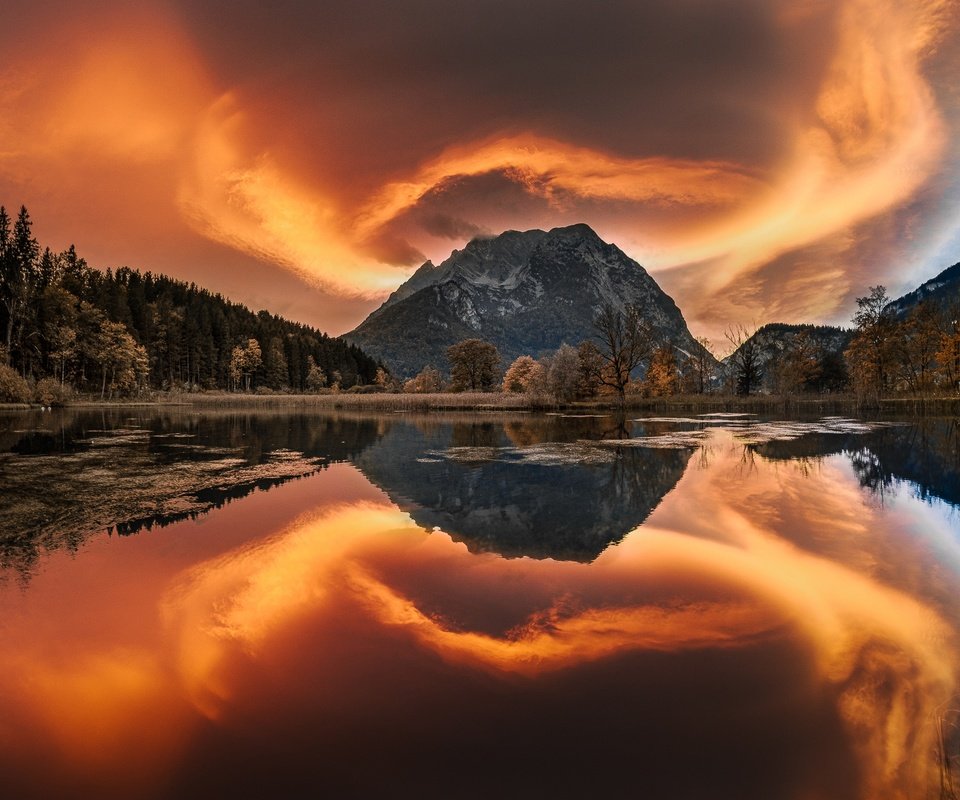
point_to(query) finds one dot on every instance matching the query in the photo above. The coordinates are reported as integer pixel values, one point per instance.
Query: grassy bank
(505, 401)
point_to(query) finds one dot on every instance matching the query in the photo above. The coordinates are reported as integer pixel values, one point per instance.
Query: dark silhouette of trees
(19, 253)
(473, 365)
(623, 342)
(58, 319)
(746, 360)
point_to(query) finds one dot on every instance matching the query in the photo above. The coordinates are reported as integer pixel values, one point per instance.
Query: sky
(764, 160)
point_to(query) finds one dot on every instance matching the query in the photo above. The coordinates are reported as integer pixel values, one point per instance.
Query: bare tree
(746, 360)
(695, 368)
(624, 341)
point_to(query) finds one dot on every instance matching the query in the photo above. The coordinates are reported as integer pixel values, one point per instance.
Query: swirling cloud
(750, 155)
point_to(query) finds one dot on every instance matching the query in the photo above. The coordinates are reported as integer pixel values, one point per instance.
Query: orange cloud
(247, 202)
(556, 171)
(113, 94)
(126, 117)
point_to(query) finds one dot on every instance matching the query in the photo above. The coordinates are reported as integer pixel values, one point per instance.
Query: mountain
(944, 290)
(771, 341)
(526, 292)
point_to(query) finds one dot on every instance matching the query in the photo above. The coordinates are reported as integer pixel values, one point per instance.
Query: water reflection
(532, 488)
(769, 631)
(69, 474)
(925, 453)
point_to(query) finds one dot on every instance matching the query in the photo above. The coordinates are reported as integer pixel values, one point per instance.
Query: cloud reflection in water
(712, 569)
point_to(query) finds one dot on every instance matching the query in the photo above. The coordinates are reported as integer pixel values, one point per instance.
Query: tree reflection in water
(713, 616)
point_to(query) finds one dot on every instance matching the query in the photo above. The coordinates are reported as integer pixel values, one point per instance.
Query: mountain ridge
(528, 292)
(941, 288)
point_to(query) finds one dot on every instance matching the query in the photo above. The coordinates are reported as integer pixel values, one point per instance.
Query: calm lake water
(281, 604)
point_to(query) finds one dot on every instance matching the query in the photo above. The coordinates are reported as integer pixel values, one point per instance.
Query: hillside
(943, 290)
(526, 292)
(121, 331)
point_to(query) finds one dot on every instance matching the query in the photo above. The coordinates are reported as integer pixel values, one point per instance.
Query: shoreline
(490, 401)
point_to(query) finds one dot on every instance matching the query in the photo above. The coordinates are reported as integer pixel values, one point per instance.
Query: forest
(66, 327)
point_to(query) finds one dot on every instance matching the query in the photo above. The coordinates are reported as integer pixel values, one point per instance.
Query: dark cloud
(761, 157)
(449, 227)
(384, 84)
(394, 250)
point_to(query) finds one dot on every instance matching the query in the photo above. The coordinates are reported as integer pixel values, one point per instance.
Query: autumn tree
(948, 352)
(473, 365)
(385, 380)
(662, 378)
(870, 354)
(526, 375)
(623, 341)
(316, 378)
(58, 328)
(244, 361)
(13, 388)
(124, 364)
(427, 381)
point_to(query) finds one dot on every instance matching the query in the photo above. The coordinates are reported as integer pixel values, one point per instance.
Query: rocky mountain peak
(528, 292)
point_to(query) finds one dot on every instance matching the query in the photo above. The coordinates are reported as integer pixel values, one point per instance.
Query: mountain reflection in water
(534, 488)
(771, 630)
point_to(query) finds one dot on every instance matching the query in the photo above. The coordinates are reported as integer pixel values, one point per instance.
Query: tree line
(607, 363)
(886, 353)
(917, 353)
(68, 327)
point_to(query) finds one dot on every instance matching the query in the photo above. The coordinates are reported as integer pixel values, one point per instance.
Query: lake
(263, 604)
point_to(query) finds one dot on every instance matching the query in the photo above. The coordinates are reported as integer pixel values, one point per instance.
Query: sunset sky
(765, 160)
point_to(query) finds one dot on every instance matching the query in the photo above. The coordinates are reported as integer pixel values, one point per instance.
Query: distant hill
(944, 290)
(776, 338)
(526, 292)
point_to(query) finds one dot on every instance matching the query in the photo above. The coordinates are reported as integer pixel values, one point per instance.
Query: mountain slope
(774, 339)
(527, 292)
(944, 290)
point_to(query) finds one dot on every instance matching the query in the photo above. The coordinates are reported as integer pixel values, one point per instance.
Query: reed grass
(507, 401)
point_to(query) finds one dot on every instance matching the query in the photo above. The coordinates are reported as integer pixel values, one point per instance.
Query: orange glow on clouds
(136, 90)
(248, 203)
